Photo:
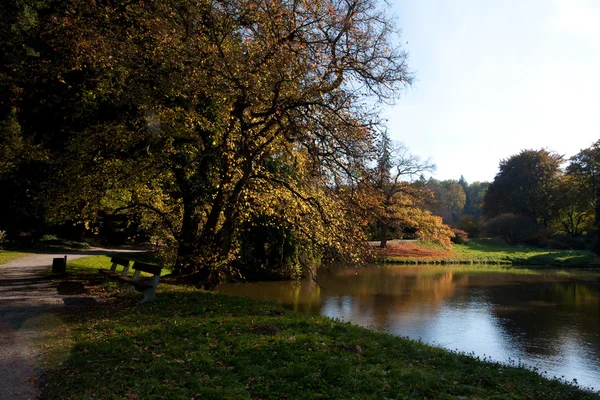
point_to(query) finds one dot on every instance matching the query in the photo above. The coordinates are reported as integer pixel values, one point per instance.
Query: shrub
(513, 228)
(473, 226)
(3, 239)
(460, 236)
(558, 245)
(572, 242)
(537, 240)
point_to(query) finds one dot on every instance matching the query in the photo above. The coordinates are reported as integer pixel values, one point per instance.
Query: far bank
(483, 251)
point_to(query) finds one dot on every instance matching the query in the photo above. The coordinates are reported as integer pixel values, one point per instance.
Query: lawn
(6, 255)
(192, 344)
(486, 251)
(87, 266)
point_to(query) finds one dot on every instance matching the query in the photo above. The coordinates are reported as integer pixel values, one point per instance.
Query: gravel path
(24, 296)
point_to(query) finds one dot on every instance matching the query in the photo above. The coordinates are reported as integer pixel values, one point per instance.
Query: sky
(495, 77)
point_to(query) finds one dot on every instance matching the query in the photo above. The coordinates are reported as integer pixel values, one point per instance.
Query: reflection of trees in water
(300, 296)
(537, 312)
(379, 295)
(542, 316)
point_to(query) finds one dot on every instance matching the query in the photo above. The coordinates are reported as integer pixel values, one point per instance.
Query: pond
(543, 318)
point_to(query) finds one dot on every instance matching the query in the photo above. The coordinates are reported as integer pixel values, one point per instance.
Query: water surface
(548, 319)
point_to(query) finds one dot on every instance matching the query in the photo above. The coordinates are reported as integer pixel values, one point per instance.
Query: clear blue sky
(496, 77)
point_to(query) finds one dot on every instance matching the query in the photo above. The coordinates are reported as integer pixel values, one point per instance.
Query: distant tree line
(538, 197)
(538, 194)
(458, 202)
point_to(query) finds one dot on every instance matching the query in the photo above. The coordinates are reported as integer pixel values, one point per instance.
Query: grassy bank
(485, 251)
(190, 344)
(6, 255)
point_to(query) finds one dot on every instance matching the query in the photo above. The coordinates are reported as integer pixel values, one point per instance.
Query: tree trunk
(188, 240)
(384, 233)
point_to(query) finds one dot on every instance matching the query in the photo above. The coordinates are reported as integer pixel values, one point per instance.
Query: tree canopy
(200, 116)
(525, 185)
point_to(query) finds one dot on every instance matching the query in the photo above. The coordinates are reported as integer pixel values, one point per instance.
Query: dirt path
(24, 296)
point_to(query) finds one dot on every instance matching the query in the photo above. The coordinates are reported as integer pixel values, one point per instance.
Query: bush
(3, 239)
(537, 240)
(460, 236)
(558, 245)
(572, 242)
(473, 226)
(513, 228)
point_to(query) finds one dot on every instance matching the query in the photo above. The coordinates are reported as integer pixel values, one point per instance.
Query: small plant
(460, 236)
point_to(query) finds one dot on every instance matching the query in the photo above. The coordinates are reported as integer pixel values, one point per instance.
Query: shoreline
(485, 252)
(206, 345)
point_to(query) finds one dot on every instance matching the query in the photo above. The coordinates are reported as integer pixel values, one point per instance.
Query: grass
(90, 265)
(7, 255)
(487, 251)
(87, 267)
(55, 243)
(191, 344)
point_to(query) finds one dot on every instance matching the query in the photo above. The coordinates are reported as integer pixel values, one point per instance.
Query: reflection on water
(547, 318)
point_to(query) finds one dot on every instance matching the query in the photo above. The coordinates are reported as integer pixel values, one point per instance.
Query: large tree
(526, 185)
(205, 113)
(583, 174)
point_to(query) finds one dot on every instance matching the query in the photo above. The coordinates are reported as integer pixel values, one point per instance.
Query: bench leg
(148, 295)
(130, 289)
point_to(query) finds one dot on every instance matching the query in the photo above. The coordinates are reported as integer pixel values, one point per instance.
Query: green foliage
(580, 191)
(452, 200)
(475, 193)
(53, 242)
(192, 118)
(472, 225)
(449, 199)
(526, 185)
(576, 206)
(497, 251)
(268, 250)
(584, 168)
(513, 228)
(191, 344)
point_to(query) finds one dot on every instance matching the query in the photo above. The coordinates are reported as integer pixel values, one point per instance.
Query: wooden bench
(112, 273)
(146, 287)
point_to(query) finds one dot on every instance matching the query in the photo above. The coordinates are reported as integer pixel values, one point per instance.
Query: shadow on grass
(562, 258)
(193, 344)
